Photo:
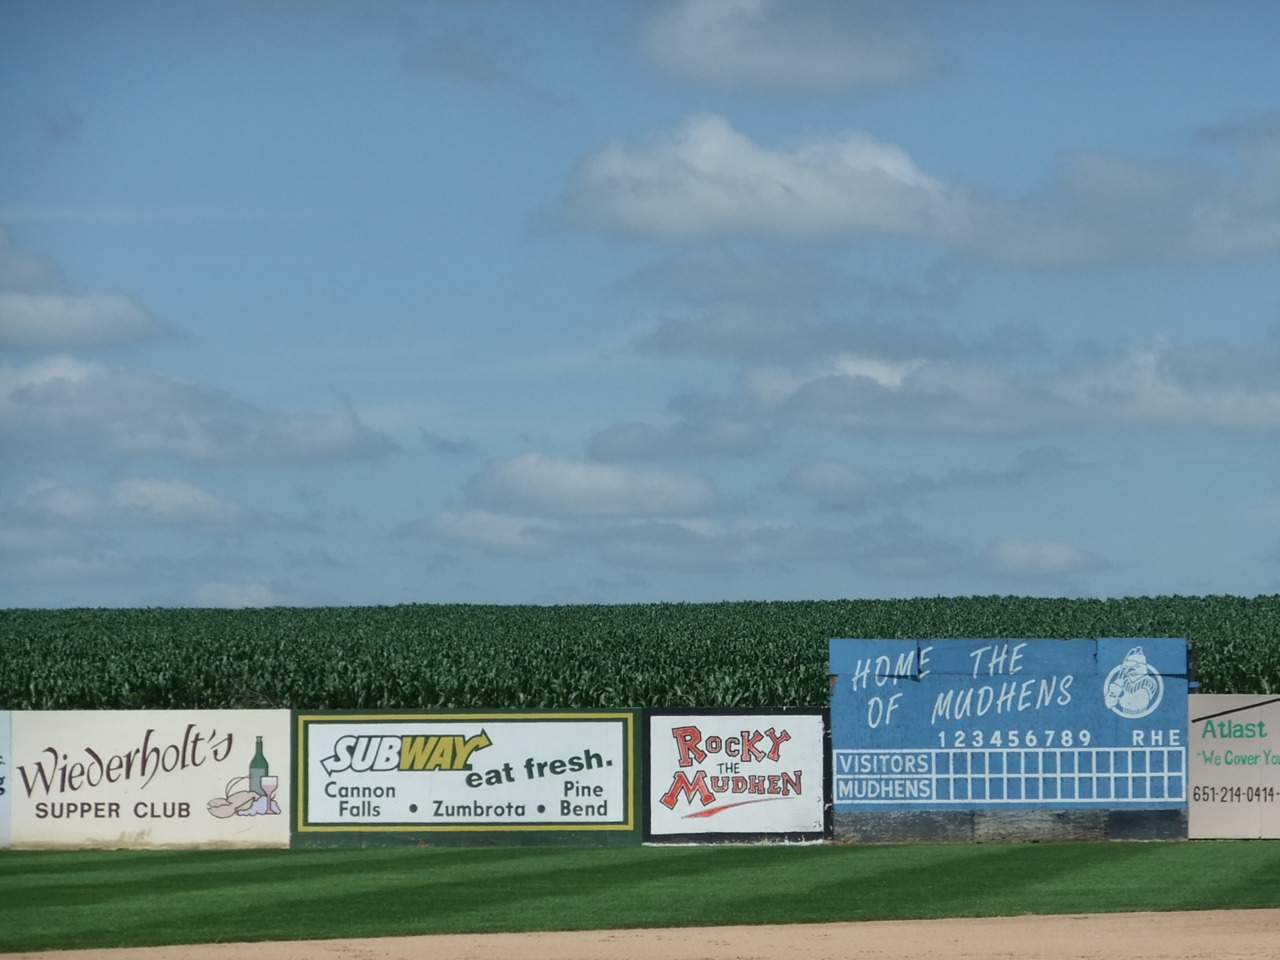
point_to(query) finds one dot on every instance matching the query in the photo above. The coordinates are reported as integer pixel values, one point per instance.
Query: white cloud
(773, 385)
(1103, 209)
(839, 486)
(175, 502)
(713, 277)
(18, 538)
(488, 531)
(696, 436)
(57, 500)
(488, 63)
(540, 485)
(836, 486)
(950, 389)
(60, 404)
(789, 45)
(1038, 560)
(1164, 383)
(682, 543)
(704, 544)
(913, 376)
(458, 58)
(274, 593)
(52, 567)
(21, 271)
(786, 335)
(1155, 383)
(37, 314)
(63, 321)
(932, 398)
(890, 549)
(705, 180)
(896, 550)
(35, 553)
(140, 502)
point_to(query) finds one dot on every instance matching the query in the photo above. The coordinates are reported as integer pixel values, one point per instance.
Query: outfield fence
(1203, 765)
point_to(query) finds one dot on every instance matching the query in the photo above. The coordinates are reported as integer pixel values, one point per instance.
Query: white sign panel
(536, 771)
(1234, 744)
(150, 778)
(735, 773)
(6, 778)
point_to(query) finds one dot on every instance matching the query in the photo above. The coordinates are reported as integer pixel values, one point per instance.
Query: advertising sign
(466, 771)
(150, 778)
(735, 773)
(988, 724)
(6, 778)
(1234, 766)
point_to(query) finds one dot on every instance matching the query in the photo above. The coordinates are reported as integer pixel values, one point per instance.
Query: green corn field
(508, 657)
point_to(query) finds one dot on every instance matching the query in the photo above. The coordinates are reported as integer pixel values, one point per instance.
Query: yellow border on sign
(300, 784)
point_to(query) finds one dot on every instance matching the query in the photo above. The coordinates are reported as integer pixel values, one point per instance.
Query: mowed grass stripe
(63, 899)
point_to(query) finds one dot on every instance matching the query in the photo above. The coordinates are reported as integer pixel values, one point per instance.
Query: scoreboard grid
(1028, 775)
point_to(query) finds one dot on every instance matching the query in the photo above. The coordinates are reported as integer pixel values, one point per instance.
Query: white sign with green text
(1234, 765)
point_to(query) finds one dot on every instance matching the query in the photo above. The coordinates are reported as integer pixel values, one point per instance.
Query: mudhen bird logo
(1133, 688)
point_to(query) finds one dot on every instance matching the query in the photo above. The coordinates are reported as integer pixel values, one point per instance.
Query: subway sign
(407, 772)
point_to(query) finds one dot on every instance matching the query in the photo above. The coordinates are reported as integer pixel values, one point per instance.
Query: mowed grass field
(68, 899)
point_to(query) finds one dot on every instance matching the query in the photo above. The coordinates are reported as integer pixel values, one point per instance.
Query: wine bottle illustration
(257, 770)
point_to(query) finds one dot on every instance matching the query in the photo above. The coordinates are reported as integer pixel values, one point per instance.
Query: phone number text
(1233, 794)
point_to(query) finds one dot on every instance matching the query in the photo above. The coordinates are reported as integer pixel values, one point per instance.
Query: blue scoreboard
(987, 724)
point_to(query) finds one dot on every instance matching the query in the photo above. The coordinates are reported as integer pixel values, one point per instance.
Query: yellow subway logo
(365, 753)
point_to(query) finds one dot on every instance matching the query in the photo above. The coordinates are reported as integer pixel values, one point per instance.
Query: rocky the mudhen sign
(735, 773)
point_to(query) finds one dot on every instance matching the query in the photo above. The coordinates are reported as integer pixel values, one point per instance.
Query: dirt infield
(1209, 935)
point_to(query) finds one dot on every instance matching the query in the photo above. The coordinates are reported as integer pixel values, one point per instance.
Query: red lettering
(778, 740)
(687, 740)
(681, 784)
(749, 749)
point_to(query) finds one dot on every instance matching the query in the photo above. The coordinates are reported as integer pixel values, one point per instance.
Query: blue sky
(564, 301)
